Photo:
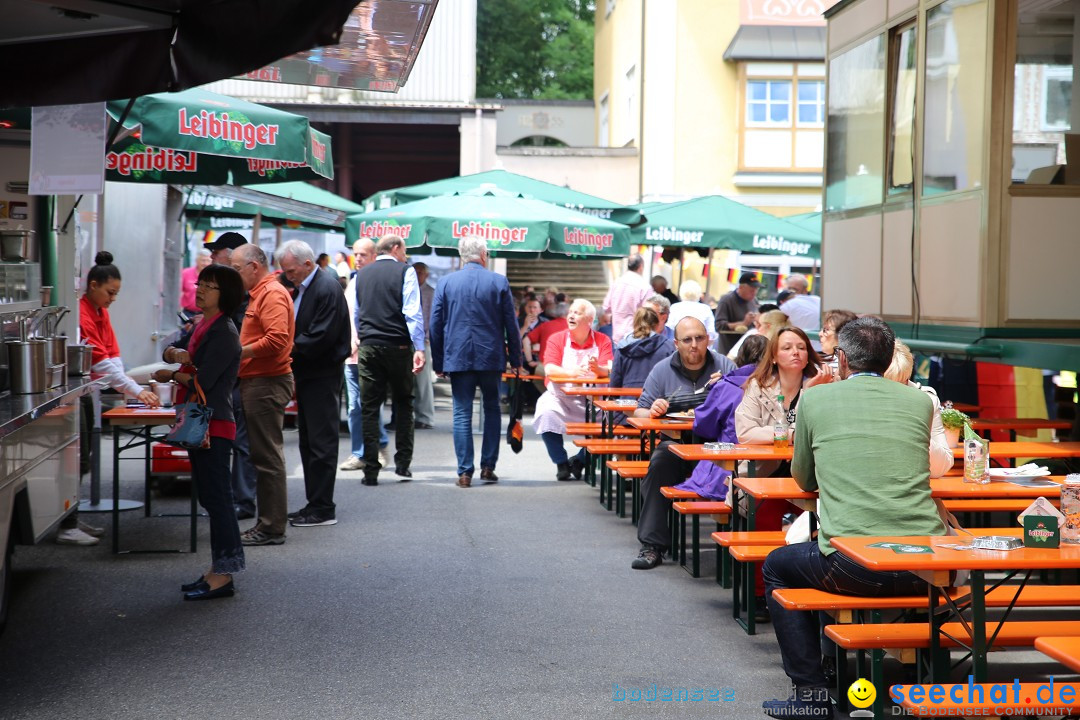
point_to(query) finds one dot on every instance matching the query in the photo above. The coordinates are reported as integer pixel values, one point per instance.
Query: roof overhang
(777, 42)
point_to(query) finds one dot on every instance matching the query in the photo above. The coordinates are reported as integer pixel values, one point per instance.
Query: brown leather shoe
(488, 475)
(464, 480)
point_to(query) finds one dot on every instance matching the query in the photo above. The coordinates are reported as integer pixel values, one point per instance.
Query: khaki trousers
(264, 400)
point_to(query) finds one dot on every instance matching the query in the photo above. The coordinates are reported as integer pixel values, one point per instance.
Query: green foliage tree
(534, 49)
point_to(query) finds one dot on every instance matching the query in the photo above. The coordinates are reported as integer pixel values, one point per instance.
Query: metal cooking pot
(79, 359)
(16, 245)
(28, 371)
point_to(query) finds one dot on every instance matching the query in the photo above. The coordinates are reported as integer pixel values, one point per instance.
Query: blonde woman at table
(95, 327)
(578, 351)
(771, 396)
(941, 455)
(211, 355)
(831, 324)
(768, 322)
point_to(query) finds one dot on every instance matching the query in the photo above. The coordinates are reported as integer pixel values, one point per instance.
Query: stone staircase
(578, 278)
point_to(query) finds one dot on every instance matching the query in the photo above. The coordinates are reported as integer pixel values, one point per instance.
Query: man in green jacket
(862, 445)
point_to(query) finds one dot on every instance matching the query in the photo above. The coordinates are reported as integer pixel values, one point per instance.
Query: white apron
(555, 408)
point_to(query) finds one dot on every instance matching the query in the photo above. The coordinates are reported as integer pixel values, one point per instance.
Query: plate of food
(684, 415)
(1031, 470)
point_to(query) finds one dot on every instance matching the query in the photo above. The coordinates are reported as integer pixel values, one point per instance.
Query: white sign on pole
(67, 149)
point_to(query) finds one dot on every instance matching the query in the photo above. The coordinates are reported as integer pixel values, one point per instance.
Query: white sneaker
(91, 530)
(384, 455)
(75, 536)
(353, 463)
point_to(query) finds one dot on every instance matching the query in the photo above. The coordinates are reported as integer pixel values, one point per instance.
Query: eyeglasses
(206, 285)
(826, 331)
(694, 340)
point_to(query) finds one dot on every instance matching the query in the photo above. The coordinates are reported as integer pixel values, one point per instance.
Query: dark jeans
(665, 468)
(243, 472)
(804, 566)
(381, 369)
(210, 471)
(463, 387)
(318, 423)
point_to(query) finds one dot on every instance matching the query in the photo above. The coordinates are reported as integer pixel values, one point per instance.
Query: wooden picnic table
(1066, 650)
(674, 428)
(1015, 426)
(937, 567)
(591, 394)
(1028, 449)
(526, 378)
(728, 458)
(134, 427)
(965, 408)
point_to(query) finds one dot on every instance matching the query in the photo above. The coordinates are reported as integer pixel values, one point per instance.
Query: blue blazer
(473, 322)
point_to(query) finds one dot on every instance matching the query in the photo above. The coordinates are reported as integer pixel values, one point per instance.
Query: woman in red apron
(578, 351)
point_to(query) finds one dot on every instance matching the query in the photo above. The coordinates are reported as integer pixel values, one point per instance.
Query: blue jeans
(463, 387)
(356, 413)
(553, 443)
(804, 566)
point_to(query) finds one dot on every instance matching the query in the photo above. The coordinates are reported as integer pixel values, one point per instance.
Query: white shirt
(300, 291)
(698, 310)
(803, 311)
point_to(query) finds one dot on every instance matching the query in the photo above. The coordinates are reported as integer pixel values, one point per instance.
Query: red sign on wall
(784, 12)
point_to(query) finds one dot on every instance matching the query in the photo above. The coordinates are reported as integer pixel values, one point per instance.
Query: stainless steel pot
(55, 350)
(16, 245)
(28, 371)
(79, 359)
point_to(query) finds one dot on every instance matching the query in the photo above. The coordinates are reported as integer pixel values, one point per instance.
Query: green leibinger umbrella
(199, 137)
(509, 224)
(508, 182)
(717, 222)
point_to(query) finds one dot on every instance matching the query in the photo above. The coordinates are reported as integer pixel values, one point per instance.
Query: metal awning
(777, 42)
(78, 51)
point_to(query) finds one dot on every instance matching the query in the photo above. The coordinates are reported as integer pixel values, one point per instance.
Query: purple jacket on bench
(715, 420)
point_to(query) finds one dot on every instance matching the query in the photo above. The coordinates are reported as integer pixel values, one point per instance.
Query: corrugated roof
(776, 42)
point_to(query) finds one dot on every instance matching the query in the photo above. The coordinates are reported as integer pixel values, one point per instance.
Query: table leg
(116, 491)
(978, 625)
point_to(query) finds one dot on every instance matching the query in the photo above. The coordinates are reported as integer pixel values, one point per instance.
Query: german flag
(780, 279)
(733, 275)
(1012, 392)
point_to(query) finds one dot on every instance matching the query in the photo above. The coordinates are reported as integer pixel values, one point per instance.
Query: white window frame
(1052, 72)
(631, 104)
(769, 103)
(610, 8)
(820, 82)
(604, 137)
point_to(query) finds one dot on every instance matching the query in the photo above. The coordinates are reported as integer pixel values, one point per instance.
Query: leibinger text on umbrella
(772, 242)
(671, 235)
(150, 158)
(209, 125)
(587, 238)
(376, 229)
(504, 235)
(262, 167)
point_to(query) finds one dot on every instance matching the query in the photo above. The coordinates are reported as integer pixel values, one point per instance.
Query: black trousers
(383, 369)
(665, 468)
(317, 419)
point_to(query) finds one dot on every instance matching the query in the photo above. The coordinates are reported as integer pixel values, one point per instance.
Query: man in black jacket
(390, 331)
(320, 346)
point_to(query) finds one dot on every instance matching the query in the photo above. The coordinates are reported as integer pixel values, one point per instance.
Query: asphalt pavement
(426, 600)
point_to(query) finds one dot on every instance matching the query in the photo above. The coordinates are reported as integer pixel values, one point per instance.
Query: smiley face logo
(861, 694)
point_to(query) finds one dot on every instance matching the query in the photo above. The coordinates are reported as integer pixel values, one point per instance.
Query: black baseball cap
(227, 241)
(747, 278)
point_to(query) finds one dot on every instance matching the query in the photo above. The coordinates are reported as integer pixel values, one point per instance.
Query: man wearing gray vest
(390, 332)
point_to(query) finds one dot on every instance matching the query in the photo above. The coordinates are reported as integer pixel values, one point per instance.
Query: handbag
(515, 433)
(192, 427)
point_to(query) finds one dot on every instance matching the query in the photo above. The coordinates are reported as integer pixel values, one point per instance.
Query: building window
(605, 134)
(854, 168)
(768, 103)
(902, 82)
(811, 99)
(631, 104)
(1056, 98)
(610, 5)
(784, 113)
